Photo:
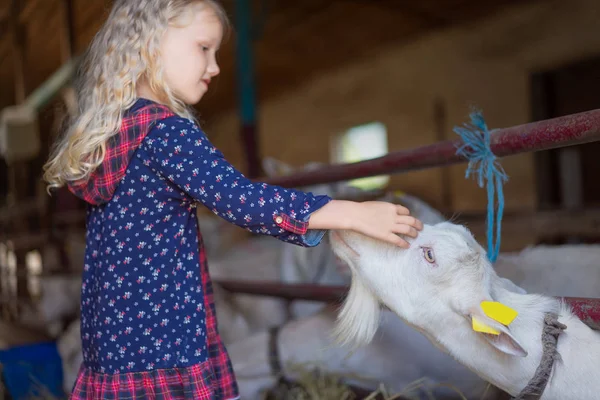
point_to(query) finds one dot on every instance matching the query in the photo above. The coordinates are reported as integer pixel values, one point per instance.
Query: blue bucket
(32, 370)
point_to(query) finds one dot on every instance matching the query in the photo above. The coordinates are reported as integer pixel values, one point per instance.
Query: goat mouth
(338, 238)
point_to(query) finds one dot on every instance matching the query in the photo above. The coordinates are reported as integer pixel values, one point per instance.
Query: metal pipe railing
(587, 309)
(327, 294)
(535, 136)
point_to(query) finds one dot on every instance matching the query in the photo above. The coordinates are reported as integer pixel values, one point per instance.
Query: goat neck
(572, 377)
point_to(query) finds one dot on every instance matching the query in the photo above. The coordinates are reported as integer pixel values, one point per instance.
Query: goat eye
(428, 254)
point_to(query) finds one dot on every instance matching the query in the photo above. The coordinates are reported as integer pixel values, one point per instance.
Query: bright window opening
(363, 142)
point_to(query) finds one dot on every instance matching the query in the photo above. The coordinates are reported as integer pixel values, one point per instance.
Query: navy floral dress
(148, 325)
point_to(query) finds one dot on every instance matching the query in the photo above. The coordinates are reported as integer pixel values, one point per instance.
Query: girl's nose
(213, 69)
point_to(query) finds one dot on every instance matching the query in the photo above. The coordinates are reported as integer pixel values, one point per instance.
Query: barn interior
(384, 76)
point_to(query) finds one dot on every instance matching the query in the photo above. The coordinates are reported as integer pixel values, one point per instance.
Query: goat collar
(536, 386)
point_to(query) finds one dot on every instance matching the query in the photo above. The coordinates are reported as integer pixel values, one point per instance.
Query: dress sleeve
(182, 154)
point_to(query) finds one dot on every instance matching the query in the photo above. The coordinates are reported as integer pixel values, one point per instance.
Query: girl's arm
(182, 154)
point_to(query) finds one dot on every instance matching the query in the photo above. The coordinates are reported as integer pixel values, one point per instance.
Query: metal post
(247, 95)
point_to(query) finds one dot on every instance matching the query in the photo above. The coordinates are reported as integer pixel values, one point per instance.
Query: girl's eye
(428, 254)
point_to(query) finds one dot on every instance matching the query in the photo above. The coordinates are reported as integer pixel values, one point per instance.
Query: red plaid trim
(195, 382)
(225, 384)
(290, 224)
(103, 182)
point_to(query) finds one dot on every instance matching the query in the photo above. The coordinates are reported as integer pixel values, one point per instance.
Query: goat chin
(359, 317)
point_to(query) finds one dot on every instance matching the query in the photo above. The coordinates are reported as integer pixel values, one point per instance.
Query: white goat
(437, 287)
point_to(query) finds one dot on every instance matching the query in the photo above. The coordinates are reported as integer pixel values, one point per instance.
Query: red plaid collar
(103, 182)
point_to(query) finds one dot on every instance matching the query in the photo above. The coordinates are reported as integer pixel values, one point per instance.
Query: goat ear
(497, 334)
(506, 343)
(358, 319)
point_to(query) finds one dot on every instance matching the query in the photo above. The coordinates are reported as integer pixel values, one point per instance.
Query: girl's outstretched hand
(385, 221)
(377, 219)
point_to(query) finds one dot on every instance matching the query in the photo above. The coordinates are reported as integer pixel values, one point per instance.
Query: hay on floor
(312, 383)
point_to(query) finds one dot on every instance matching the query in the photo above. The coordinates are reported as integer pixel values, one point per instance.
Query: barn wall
(487, 64)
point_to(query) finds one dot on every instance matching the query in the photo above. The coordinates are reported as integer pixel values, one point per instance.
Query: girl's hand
(377, 219)
(384, 221)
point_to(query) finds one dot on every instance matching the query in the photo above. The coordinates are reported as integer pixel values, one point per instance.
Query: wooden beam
(67, 43)
(29, 8)
(440, 119)
(18, 172)
(67, 49)
(3, 23)
(18, 50)
(414, 10)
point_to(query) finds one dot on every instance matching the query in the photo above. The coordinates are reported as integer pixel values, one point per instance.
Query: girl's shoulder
(142, 107)
(157, 118)
(174, 125)
(171, 131)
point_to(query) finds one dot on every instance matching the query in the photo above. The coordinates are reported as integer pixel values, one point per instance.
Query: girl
(135, 153)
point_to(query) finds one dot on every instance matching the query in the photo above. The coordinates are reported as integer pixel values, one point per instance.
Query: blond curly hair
(124, 51)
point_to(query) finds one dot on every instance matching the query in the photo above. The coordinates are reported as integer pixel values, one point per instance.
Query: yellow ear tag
(479, 326)
(499, 312)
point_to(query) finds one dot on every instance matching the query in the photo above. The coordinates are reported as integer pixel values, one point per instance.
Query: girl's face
(188, 53)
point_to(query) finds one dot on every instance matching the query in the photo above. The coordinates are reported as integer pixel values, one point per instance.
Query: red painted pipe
(587, 309)
(536, 136)
(328, 294)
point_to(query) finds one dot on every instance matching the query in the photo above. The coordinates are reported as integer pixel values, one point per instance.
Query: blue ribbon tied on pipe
(483, 166)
